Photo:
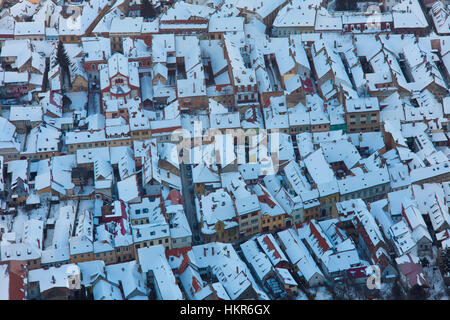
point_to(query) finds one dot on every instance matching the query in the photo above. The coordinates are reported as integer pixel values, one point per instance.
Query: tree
(397, 292)
(446, 261)
(63, 60)
(346, 5)
(417, 293)
(147, 9)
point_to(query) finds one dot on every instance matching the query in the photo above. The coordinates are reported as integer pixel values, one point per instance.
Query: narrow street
(189, 202)
(93, 101)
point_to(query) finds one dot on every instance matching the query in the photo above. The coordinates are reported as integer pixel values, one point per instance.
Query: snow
(301, 296)
(4, 282)
(321, 293)
(438, 289)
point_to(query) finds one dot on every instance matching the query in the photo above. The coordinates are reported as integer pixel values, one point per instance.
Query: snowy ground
(301, 296)
(86, 205)
(386, 291)
(17, 227)
(321, 293)
(433, 275)
(4, 282)
(48, 239)
(79, 100)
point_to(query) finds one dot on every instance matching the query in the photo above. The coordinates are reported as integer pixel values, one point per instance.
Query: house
(258, 260)
(61, 283)
(411, 271)
(220, 261)
(246, 203)
(217, 217)
(271, 248)
(152, 233)
(180, 231)
(430, 198)
(290, 285)
(91, 273)
(81, 244)
(12, 281)
(266, 12)
(419, 230)
(119, 78)
(330, 245)
(104, 290)
(300, 258)
(129, 279)
(97, 51)
(296, 17)
(158, 273)
(128, 190)
(371, 243)
(362, 115)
